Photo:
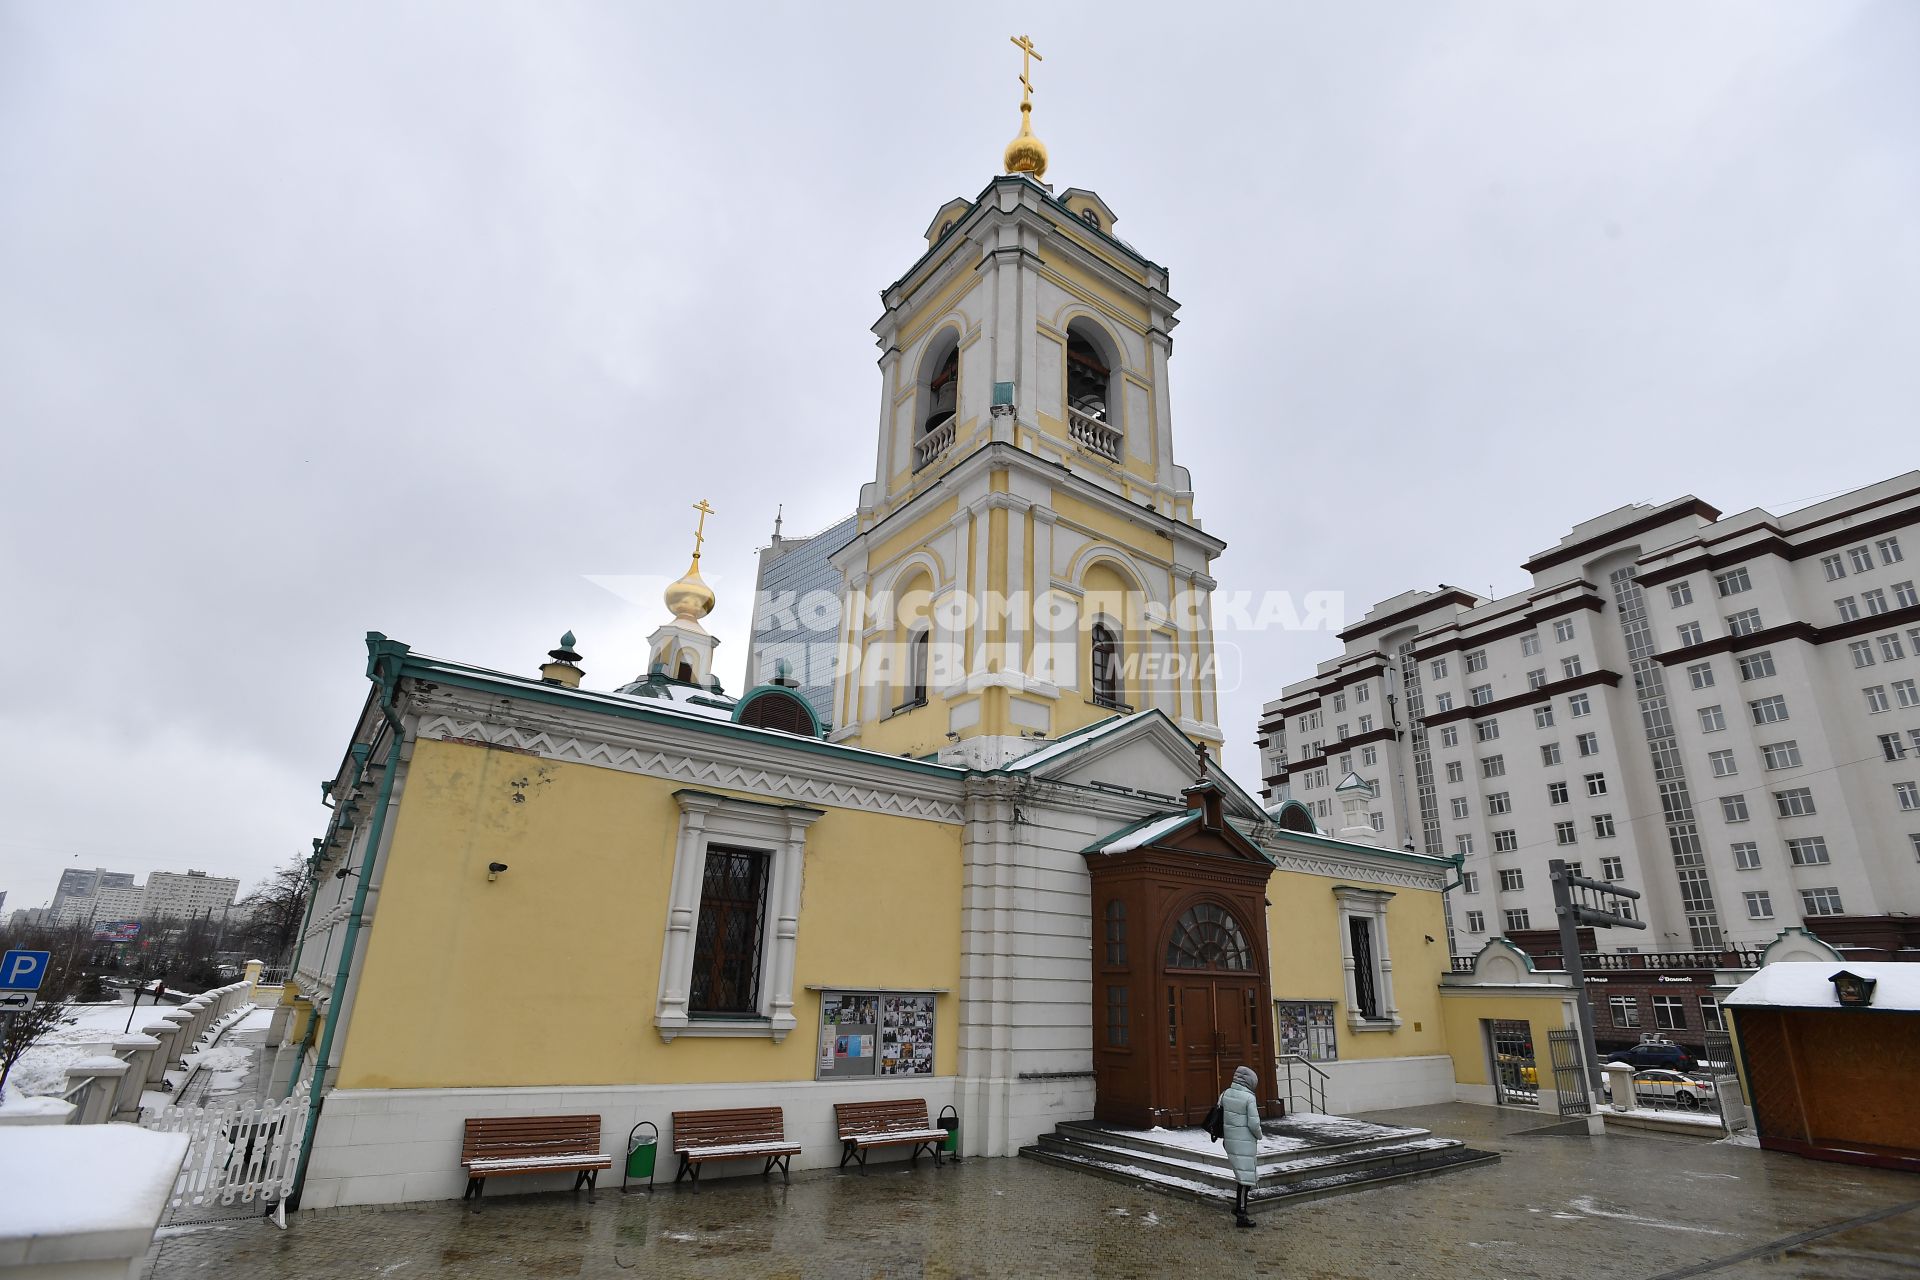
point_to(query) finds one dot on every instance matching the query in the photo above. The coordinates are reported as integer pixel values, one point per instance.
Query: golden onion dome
(1026, 153)
(689, 598)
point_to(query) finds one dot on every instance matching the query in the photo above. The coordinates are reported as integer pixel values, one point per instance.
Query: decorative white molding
(681, 755)
(781, 832)
(1369, 905)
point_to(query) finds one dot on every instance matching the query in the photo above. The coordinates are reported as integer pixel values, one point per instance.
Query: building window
(1340, 733)
(1450, 735)
(1809, 851)
(1847, 607)
(1482, 694)
(1512, 880)
(1907, 795)
(1439, 668)
(1543, 717)
(1459, 806)
(1821, 902)
(1744, 623)
(1469, 880)
(1875, 600)
(1556, 793)
(1506, 841)
(1563, 630)
(1794, 803)
(1757, 666)
(1876, 696)
(1861, 557)
(1476, 922)
(1463, 845)
(1836, 567)
(1476, 661)
(1537, 678)
(1712, 719)
(1889, 551)
(1578, 705)
(1890, 647)
(1369, 755)
(1905, 691)
(1499, 802)
(1861, 652)
(1700, 675)
(1456, 772)
(1746, 855)
(1369, 968)
(1733, 808)
(1596, 784)
(1106, 668)
(1116, 932)
(1914, 840)
(1117, 1015)
(1603, 826)
(1378, 820)
(1710, 1014)
(1669, 1014)
(1781, 755)
(1689, 634)
(1759, 904)
(1493, 767)
(1589, 744)
(880, 1033)
(1571, 666)
(1486, 730)
(1306, 1028)
(1550, 754)
(1339, 702)
(1443, 702)
(1733, 581)
(1530, 644)
(1516, 919)
(1768, 710)
(1723, 764)
(1679, 594)
(1904, 595)
(1362, 692)
(1366, 724)
(1612, 869)
(727, 939)
(1208, 937)
(1625, 1010)
(1566, 833)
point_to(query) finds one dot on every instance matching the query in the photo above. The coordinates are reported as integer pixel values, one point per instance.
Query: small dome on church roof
(688, 597)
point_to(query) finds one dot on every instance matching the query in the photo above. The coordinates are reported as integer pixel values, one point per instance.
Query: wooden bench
(901, 1122)
(499, 1146)
(739, 1134)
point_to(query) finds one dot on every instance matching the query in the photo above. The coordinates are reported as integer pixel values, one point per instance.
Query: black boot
(1240, 1218)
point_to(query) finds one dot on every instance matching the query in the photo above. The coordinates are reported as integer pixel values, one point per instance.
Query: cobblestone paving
(1558, 1205)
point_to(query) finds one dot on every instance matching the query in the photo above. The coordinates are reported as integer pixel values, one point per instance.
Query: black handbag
(1216, 1123)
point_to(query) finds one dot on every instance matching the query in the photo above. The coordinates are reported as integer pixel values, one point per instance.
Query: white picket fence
(243, 1154)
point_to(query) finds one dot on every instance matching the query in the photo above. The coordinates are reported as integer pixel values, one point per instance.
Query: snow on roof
(1054, 751)
(1131, 838)
(682, 697)
(70, 1179)
(1805, 984)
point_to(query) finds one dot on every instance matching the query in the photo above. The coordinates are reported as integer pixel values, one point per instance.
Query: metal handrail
(1315, 1079)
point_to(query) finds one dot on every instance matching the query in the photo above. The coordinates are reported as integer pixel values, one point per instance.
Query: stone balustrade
(137, 1052)
(107, 1085)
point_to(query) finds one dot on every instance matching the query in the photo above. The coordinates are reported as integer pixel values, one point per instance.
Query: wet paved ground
(1558, 1205)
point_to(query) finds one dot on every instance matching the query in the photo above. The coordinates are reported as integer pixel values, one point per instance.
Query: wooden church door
(1212, 979)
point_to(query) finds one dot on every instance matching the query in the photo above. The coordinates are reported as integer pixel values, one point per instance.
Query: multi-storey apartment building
(102, 896)
(1719, 712)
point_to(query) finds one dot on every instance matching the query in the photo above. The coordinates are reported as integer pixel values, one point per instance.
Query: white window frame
(780, 830)
(1369, 905)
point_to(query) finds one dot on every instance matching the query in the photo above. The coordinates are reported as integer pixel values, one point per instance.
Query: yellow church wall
(1096, 292)
(1463, 1013)
(1303, 951)
(549, 975)
(1107, 527)
(910, 537)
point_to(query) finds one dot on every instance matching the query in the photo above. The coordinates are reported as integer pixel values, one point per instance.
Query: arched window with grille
(1106, 667)
(1207, 936)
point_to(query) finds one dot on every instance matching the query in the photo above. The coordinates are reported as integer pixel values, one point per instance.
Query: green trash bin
(951, 1123)
(641, 1151)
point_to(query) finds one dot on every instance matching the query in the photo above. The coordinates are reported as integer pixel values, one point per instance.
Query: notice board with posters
(875, 1033)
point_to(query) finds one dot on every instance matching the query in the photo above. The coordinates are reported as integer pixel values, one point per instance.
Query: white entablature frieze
(687, 755)
(1360, 869)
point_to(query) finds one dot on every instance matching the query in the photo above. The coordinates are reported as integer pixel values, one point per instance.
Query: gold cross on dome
(700, 533)
(1027, 51)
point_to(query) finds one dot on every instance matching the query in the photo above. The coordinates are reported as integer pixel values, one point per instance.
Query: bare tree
(19, 1032)
(273, 910)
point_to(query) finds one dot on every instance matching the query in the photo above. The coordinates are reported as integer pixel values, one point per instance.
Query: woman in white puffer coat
(1240, 1130)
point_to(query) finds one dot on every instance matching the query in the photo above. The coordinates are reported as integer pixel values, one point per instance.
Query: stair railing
(1309, 1086)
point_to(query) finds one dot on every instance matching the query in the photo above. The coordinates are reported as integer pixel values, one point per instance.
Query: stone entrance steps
(1299, 1161)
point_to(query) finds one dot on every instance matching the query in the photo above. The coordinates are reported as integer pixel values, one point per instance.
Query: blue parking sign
(23, 970)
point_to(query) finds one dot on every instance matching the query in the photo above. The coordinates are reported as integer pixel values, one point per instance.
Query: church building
(1004, 873)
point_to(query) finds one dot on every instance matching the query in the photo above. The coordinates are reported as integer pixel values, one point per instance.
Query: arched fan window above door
(1208, 937)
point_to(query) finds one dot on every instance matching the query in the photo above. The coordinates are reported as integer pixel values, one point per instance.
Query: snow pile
(74, 1179)
(16, 1105)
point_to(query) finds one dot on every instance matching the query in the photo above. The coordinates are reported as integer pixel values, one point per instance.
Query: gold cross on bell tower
(700, 532)
(1026, 153)
(1027, 51)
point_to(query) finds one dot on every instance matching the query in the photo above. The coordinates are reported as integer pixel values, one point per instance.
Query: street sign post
(1577, 901)
(23, 970)
(18, 1001)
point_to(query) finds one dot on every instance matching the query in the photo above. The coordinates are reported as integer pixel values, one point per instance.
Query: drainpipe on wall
(383, 668)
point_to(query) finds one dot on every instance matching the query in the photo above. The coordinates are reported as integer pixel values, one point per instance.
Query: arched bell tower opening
(940, 382)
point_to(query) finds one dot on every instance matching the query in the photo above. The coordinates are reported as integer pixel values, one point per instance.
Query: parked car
(1656, 1053)
(1680, 1088)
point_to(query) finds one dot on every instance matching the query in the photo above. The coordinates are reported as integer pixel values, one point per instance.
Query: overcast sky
(323, 318)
